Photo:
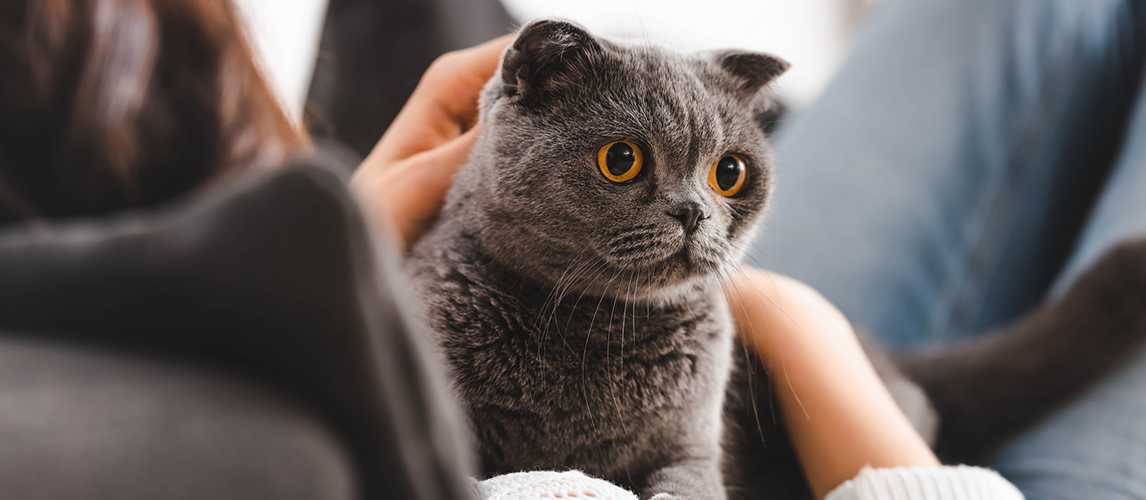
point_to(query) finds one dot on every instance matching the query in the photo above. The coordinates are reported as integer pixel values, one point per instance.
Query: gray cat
(574, 277)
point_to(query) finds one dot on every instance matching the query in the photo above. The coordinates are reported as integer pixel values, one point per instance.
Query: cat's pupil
(727, 172)
(620, 158)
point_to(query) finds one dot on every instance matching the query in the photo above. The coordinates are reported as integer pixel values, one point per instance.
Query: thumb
(415, 189)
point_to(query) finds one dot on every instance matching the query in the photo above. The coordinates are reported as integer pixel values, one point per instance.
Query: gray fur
(585, 328)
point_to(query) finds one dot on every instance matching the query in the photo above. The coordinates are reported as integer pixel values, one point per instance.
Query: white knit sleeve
(927, 483)
(536, 485)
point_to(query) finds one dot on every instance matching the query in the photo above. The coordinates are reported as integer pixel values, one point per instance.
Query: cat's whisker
(588, 337)
(555, 295)
(631, 301)
(596, 273)
(609, 365)
(767, 373)
(576, 277)
(600, 266)
(748, 371)
(749, 365)
(624, 317)
(552, 291)
(644, 32)
(783, 364)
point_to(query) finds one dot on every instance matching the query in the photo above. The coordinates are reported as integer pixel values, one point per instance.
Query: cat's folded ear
(547, 55)
(750, 71)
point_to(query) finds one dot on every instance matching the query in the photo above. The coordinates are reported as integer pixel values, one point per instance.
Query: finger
(415, 190)
(444, 104)
(463, 78)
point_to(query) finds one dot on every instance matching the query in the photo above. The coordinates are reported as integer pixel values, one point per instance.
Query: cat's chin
(658, 275)
(666, 292)
(689, 263)
(660, 280)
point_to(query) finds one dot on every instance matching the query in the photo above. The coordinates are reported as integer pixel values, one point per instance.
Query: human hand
(406, 177)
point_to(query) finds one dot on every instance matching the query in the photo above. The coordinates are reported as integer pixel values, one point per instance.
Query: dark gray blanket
(247, 343)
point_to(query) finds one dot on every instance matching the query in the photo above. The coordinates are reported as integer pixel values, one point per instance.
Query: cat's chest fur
(555, 379)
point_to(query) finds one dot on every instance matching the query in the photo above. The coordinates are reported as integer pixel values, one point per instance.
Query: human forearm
(838, 413)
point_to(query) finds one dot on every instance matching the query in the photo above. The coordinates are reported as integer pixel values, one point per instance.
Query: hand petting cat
(405, 178)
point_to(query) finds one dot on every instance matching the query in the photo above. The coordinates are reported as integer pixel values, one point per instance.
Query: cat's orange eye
(727, 175)
(620, 161)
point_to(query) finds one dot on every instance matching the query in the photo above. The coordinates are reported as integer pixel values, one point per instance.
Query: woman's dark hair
(110, 104)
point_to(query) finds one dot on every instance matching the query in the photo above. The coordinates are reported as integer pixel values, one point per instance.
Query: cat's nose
(689, 214)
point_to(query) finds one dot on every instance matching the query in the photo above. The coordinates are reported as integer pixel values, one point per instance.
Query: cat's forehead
(668, 97)
(644, 69)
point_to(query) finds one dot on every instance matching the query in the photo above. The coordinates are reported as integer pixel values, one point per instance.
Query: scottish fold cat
(573, 279)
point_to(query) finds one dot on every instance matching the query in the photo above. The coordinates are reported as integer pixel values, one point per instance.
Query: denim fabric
(1120, 211)
(1095, 448)
(970, 156)
(939, 183)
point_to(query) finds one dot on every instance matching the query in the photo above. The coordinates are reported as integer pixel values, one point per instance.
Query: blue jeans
(969, 159)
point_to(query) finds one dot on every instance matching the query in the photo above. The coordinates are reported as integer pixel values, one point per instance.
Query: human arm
(838, 413)
(405, 178)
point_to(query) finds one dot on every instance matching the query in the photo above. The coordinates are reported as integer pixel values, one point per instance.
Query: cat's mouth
(658, 254)
(696, 259)
(679, 263)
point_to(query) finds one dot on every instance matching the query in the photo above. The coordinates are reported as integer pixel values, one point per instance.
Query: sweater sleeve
(927, 483)
(537, 485)
(911, 483)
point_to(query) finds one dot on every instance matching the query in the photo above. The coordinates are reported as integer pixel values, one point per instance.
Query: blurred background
(814, 35)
